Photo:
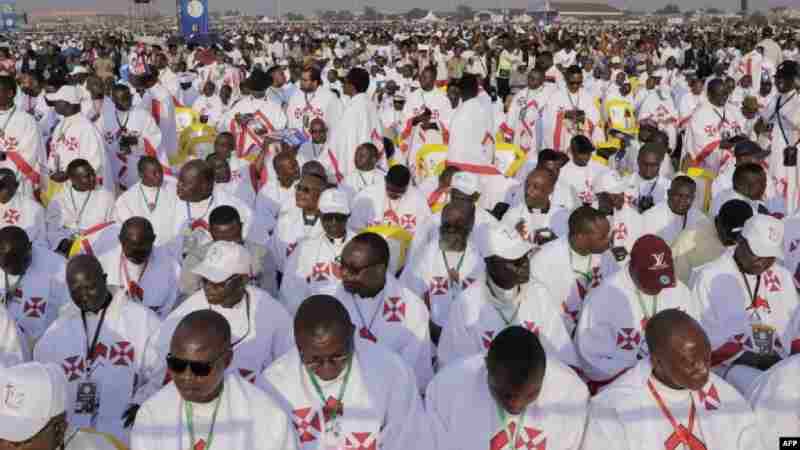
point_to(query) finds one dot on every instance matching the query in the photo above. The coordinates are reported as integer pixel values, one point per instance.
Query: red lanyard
(682, 435)
(134, 288)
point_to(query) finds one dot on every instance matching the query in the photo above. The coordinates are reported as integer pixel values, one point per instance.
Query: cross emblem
(628, 339)
(366, 333)
(683, 438)
(99, 350)
(73, 367)
(408, 222)
(122, 354)
(620, 232)
(531, 439)
(709, 130)
(34, 307)
(72, 143)
(306, 422)
(248, 375)
(390, 217)
(499, 440)
(439, 286)
(109, 137)
(467, 282)
(394, 309)
(772, 281)
(359, 441)
(10, 143)
(710, 398)
(290, 248)
(487, 339)
(532, 327)
(320, 272)
(11, 216)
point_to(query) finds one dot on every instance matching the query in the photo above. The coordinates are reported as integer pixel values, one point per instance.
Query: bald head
(205, 329)
(14, 236)
(679, 350)
(321, 316)
(666, 324)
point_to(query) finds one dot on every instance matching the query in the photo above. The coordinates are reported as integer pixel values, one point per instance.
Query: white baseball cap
(30, 395)
(465, 182)
(334, 201)
(506, 243)
(223, 260)
(69, 94)
(764, 235)
(610, 182)
(79, 70)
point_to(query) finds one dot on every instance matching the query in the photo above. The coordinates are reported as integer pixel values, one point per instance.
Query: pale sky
(308, 6)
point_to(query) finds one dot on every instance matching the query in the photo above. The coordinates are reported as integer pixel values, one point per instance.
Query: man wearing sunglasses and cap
(33, 413)
(207, 407)
(99, 341)
(610, 333)
(260, 326)
(334, 385)
(313, 267)
(504, 298)
(748, 300)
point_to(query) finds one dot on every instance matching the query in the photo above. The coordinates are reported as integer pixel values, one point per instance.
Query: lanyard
(366, 327)
(653, 310)
(190, 423)
(502, 417)
(364, 180)
(90, 347)
(683, 434)
(755, 301)
(123, 127)
(587, 276)
(458, 265)
(309, 106)
(777, 115)
(189, 211)
(75, 206)
(335, 410)
(152, 206)
(247, 313)
(5, 125)
(508, 321)
(574, 104)
(11, 291)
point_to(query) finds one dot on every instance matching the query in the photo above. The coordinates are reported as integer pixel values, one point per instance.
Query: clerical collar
(503, 296)
(311, 220)
(337, 241)
(376, 296)
(544, 210)
(667, 392)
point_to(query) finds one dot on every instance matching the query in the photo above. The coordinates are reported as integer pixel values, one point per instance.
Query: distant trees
(416, 14)
(464, 12)
(671, 8)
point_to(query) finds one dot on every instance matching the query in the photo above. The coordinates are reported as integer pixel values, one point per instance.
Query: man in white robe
(747, 300)
(240, 186)
(472, 146)
(360, 123)
(299, 222)
(79, 210)
(517, 397)
(536, 218)
(32, 284)
(710, 129)
(426, 117)
(525, 113)
(345, 403)
(671, 400)
(382, 309)
(157, 99)
(659, 107)
(102, 379)
(447, 265)
(367, 172)
(775, 401)
(318, 149)
(677, 214)
(311, 102)
(209, 106)
(153, 197)
(20, 209)
(76, 138)
(582, 170)
(254, 118)
(747, 152)
(750, 184)
(646, 187)
(260, 326)
(570, 112)
(313, 267)
(277, 196)
(395, 202)
(506, 296)
(610, 335)
(148, 275)
(626, 222)
(35, 413)
(21, 141)
(129, 133)
(571, 266)
(204, 402)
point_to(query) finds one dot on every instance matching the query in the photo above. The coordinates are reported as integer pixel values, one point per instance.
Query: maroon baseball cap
(651, 263)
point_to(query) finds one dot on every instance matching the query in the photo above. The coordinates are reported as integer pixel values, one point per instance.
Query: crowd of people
(436, 237)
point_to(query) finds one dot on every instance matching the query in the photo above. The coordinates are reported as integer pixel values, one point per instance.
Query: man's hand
(129, 416)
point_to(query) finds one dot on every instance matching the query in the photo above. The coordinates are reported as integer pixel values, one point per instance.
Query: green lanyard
(458, 265)
(509, 321)
(587, 276)
(502, 416)
(341, 389)
(150, 206)
(190, 423)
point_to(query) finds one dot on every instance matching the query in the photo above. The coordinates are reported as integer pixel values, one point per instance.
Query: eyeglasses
(199, 368)
(335, 360)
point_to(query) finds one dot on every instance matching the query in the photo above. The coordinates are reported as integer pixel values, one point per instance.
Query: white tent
(431, 17)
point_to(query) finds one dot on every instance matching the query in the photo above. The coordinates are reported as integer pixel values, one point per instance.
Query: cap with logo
(651, 263)
(764, 235)
(223, 260)
(334, 201)
(506, 243)
(30, 395)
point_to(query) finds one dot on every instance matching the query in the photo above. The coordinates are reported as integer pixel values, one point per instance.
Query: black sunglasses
(199, 368)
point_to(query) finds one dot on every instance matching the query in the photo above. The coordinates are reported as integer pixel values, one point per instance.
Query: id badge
(88, 398)
(763, 338)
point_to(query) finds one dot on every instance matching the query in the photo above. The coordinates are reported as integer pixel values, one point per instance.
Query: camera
(620, 253)
(645, 202)
(128, 140)
(543, 236)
